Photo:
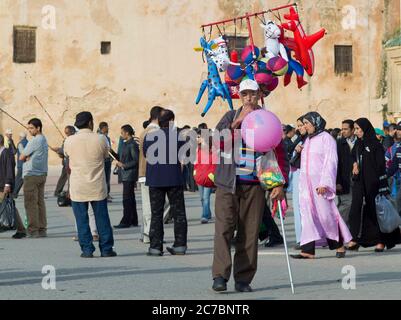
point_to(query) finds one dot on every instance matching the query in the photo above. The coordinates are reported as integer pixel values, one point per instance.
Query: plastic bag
(204, 172)
(7, 214)
(387, 215)
(268, 171)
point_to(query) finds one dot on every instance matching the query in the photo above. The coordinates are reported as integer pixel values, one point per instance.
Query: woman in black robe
(370, 179)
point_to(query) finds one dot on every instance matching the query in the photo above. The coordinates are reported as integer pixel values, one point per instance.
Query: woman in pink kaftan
(320, 219)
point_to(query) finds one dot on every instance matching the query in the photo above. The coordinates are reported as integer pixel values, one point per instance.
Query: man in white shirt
(86, 152)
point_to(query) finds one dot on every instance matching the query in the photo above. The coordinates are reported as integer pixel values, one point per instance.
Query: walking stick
(280, 210)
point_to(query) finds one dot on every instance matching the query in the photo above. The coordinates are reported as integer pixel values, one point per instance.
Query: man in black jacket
(7, 183)
(344, 173)
(128, 172)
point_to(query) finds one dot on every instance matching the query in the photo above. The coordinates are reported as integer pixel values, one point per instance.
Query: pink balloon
(261, 130)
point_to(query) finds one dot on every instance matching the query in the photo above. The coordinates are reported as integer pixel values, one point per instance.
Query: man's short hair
(128, 129)
(71, 129)
(1, 140)
(351, 123)
(288, 129)
(36, 123)
(202, 126)
(155, 113)
(165, 118)
(103, 125)
(83, 119)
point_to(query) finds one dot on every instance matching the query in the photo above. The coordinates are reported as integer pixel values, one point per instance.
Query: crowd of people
(334, 177)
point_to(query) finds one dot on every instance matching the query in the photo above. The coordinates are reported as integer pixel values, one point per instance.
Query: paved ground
(133, 275)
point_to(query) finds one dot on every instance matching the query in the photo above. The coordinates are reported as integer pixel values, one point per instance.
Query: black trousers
(130, 216)
(61, 181)
(271, 229)
(177, 204)
(309, 248)
(19, 181)
(107, 169)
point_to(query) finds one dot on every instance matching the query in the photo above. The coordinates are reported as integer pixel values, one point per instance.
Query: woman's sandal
(300, 257)
(354, 247)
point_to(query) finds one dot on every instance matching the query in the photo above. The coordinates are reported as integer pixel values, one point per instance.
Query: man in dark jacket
(388, 140)
(128, 172)
(344, 173)
(164, 176)
(7, 183)
(240, 200)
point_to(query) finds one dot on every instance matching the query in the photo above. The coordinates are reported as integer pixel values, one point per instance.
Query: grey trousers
(344, 206)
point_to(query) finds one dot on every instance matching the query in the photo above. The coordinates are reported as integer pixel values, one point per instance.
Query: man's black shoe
(272, 243)
(87, 255)
(219, 284)
(242, 287)
(177, 251)
(19, 235)
(109, 254)
(122, 226)
(154, 253)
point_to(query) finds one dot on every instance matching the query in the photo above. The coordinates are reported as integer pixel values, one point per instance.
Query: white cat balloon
(273, 46)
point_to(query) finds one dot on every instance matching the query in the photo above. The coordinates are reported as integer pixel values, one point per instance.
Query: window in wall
(237, 43)
(24, 39)
(105, 47)
(343, 59)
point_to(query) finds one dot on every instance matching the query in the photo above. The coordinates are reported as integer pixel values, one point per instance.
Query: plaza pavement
(133, 275)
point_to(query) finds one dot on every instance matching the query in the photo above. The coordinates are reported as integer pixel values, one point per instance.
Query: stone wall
(152, 61)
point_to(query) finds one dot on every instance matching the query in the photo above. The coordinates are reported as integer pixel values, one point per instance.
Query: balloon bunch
(281, 57)
(217, 60)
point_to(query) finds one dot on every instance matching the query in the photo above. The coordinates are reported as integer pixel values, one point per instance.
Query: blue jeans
(106, 241)
(205, 199)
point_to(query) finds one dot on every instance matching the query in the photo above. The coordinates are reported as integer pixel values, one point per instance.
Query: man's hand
(321, 191)
(119, 164)
(277, 193)
(299, 148)
(355, 170)
(339, 188)
(237, 123)
(7, 190)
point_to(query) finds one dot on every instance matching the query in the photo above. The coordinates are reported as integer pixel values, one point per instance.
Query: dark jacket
(225, 175)
(345, 165)
(388, 141)
(289, 147)
(395, 164)
(130, 159)
(295, 160)
(7, 171)
(163, 173)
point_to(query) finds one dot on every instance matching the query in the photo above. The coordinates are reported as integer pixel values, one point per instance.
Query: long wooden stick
(44, 109)
(9, 115)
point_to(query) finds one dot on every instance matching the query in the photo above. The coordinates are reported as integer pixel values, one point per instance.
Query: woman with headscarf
(370, 179)
(321, 221)
(295, 163)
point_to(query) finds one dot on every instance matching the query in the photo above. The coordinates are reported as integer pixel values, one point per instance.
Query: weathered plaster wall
(152, 60)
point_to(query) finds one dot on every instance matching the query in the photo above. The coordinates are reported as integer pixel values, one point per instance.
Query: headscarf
(317, 121)
(369, 134)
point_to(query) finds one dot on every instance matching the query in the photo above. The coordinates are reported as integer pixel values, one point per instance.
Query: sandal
(301, 257)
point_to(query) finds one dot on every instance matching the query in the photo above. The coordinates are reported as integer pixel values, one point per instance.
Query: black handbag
(64, 200)
(7, 214)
